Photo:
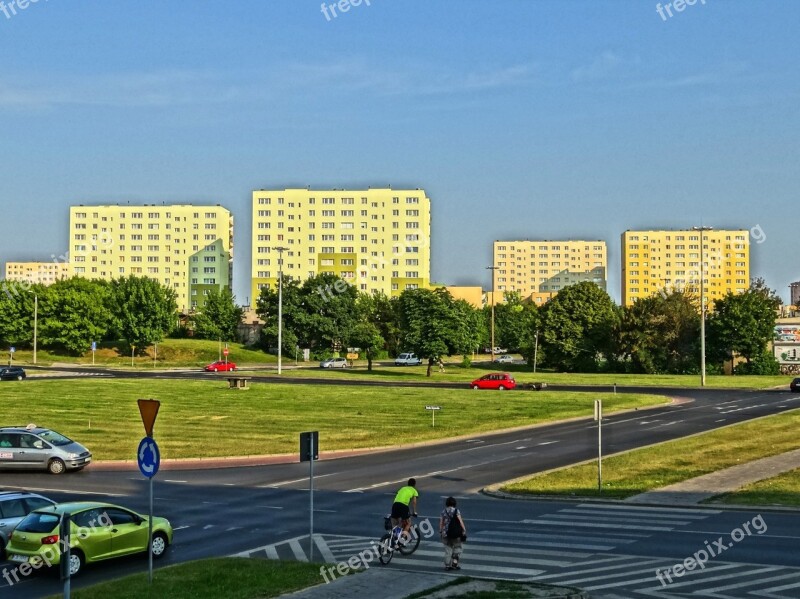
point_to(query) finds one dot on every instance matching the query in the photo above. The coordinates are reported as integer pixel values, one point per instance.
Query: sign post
(225, 353)
(148, 457)
(94, 349)
(433, 413)
(598, 416)
(11, 351)
(63, 531)
(309, 452)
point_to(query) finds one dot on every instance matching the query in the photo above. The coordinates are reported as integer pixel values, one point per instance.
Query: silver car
(34, 448)
(14, 506)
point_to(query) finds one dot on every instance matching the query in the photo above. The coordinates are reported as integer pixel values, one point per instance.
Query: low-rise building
(43, 273)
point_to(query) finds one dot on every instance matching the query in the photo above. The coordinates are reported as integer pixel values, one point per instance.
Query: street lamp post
(35, 323)
(702, 306)
(280, 251)
(492, 268)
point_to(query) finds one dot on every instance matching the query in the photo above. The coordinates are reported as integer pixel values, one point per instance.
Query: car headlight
(73, 456)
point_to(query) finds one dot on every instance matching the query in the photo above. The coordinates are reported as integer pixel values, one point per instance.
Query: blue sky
(522, 119)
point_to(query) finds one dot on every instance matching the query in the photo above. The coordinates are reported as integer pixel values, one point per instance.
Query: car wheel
(160, 544)
(56, 466)
(76, 562)
(213, 370)
(20, 377)
(475, 387)
(501, 388)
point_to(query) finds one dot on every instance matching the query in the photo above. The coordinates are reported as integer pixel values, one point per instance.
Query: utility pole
(280, 250)
(492, 268)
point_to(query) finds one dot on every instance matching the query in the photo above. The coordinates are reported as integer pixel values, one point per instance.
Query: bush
(764, 363)
(466, 361)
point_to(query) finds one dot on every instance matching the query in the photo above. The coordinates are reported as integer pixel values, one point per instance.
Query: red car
(220, 367)
(495, 380)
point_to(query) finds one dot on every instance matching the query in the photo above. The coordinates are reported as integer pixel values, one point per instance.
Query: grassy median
(232, 578)
(646, 469)
(204, 418)
(783, 489)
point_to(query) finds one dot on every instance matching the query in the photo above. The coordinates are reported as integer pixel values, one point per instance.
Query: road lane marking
(270, 507)
(297, 480)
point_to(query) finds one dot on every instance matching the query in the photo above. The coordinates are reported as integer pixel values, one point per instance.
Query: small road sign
(148, 408)
(148, 457)
(309, 441)
(13, 349)
(225, 352)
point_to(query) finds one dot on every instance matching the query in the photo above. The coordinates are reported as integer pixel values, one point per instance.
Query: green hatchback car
(99, 531)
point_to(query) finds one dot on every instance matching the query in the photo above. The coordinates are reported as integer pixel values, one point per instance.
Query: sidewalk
(696, 490)
(394, 584)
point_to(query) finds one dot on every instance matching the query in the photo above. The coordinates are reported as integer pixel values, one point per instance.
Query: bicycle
(398, 540)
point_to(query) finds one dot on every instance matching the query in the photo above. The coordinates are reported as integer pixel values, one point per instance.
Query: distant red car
(220, 367)
(495, 380)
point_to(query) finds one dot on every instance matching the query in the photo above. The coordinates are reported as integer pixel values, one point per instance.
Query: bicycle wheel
(409, 542)
(385, 550)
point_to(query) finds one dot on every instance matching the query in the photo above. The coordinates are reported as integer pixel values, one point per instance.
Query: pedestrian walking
(441, 365)
(453, 532)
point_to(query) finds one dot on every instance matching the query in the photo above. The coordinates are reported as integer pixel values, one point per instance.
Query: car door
(90, 534)
(10, 456)
(34, 451)
(11, 512)
(128, 532)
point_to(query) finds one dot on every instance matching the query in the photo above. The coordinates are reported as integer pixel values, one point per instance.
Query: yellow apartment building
(377, 239)
(653, 261)
(472, 295)
(186, 247)
(539, 269)
(44, 273)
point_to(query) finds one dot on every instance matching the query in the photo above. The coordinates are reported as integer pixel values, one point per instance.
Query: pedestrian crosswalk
(589, 546)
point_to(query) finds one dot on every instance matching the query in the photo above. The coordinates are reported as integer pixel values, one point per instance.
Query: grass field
(232, 578)
(783, 489)
(524, 374)
(206, 419)
(667, 463)
(169, 353)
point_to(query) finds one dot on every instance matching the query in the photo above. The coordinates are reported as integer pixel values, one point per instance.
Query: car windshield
(38, 522)
(55, 438)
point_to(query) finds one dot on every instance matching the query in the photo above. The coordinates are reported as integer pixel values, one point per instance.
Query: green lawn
(169, 353)
(206, 419)
(783, 489)
(524, 374)
(196, 353)
(232, 578)
(667, 463)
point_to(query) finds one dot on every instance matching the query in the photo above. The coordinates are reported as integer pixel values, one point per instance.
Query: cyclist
(405, 505)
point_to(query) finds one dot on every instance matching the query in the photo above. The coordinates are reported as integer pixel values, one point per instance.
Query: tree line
(578, 330)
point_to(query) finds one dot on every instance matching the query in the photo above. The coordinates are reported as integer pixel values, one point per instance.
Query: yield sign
(148, 408)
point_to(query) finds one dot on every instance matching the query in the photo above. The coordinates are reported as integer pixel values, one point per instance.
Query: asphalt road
(227, 511)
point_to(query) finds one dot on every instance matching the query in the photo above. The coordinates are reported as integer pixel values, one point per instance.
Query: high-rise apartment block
(653, 261)
(540, 269)
(44, 273)
(188, 248)
(375, 239)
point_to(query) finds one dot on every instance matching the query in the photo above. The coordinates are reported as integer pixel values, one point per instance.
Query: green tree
(743, 324)
(16, 312)
(292, 306)
(660, 334)
(434, 325)
(73, 313)
(219, 318)
(578, 328)
(145, 311)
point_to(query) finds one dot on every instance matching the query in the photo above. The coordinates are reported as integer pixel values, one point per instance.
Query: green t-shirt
(405, 494)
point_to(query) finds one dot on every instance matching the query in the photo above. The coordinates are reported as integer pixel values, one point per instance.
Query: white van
(407, 359)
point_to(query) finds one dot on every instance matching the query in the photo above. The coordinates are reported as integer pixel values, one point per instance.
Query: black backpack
(454, 529)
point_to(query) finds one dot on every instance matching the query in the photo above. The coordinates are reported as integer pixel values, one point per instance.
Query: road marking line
(297, 480)
(299, 554)
(174, 528)
(270, 507)
(168, 480)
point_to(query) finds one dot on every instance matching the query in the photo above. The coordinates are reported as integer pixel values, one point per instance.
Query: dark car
(495, 380)
(12, 373)
(794, 386)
